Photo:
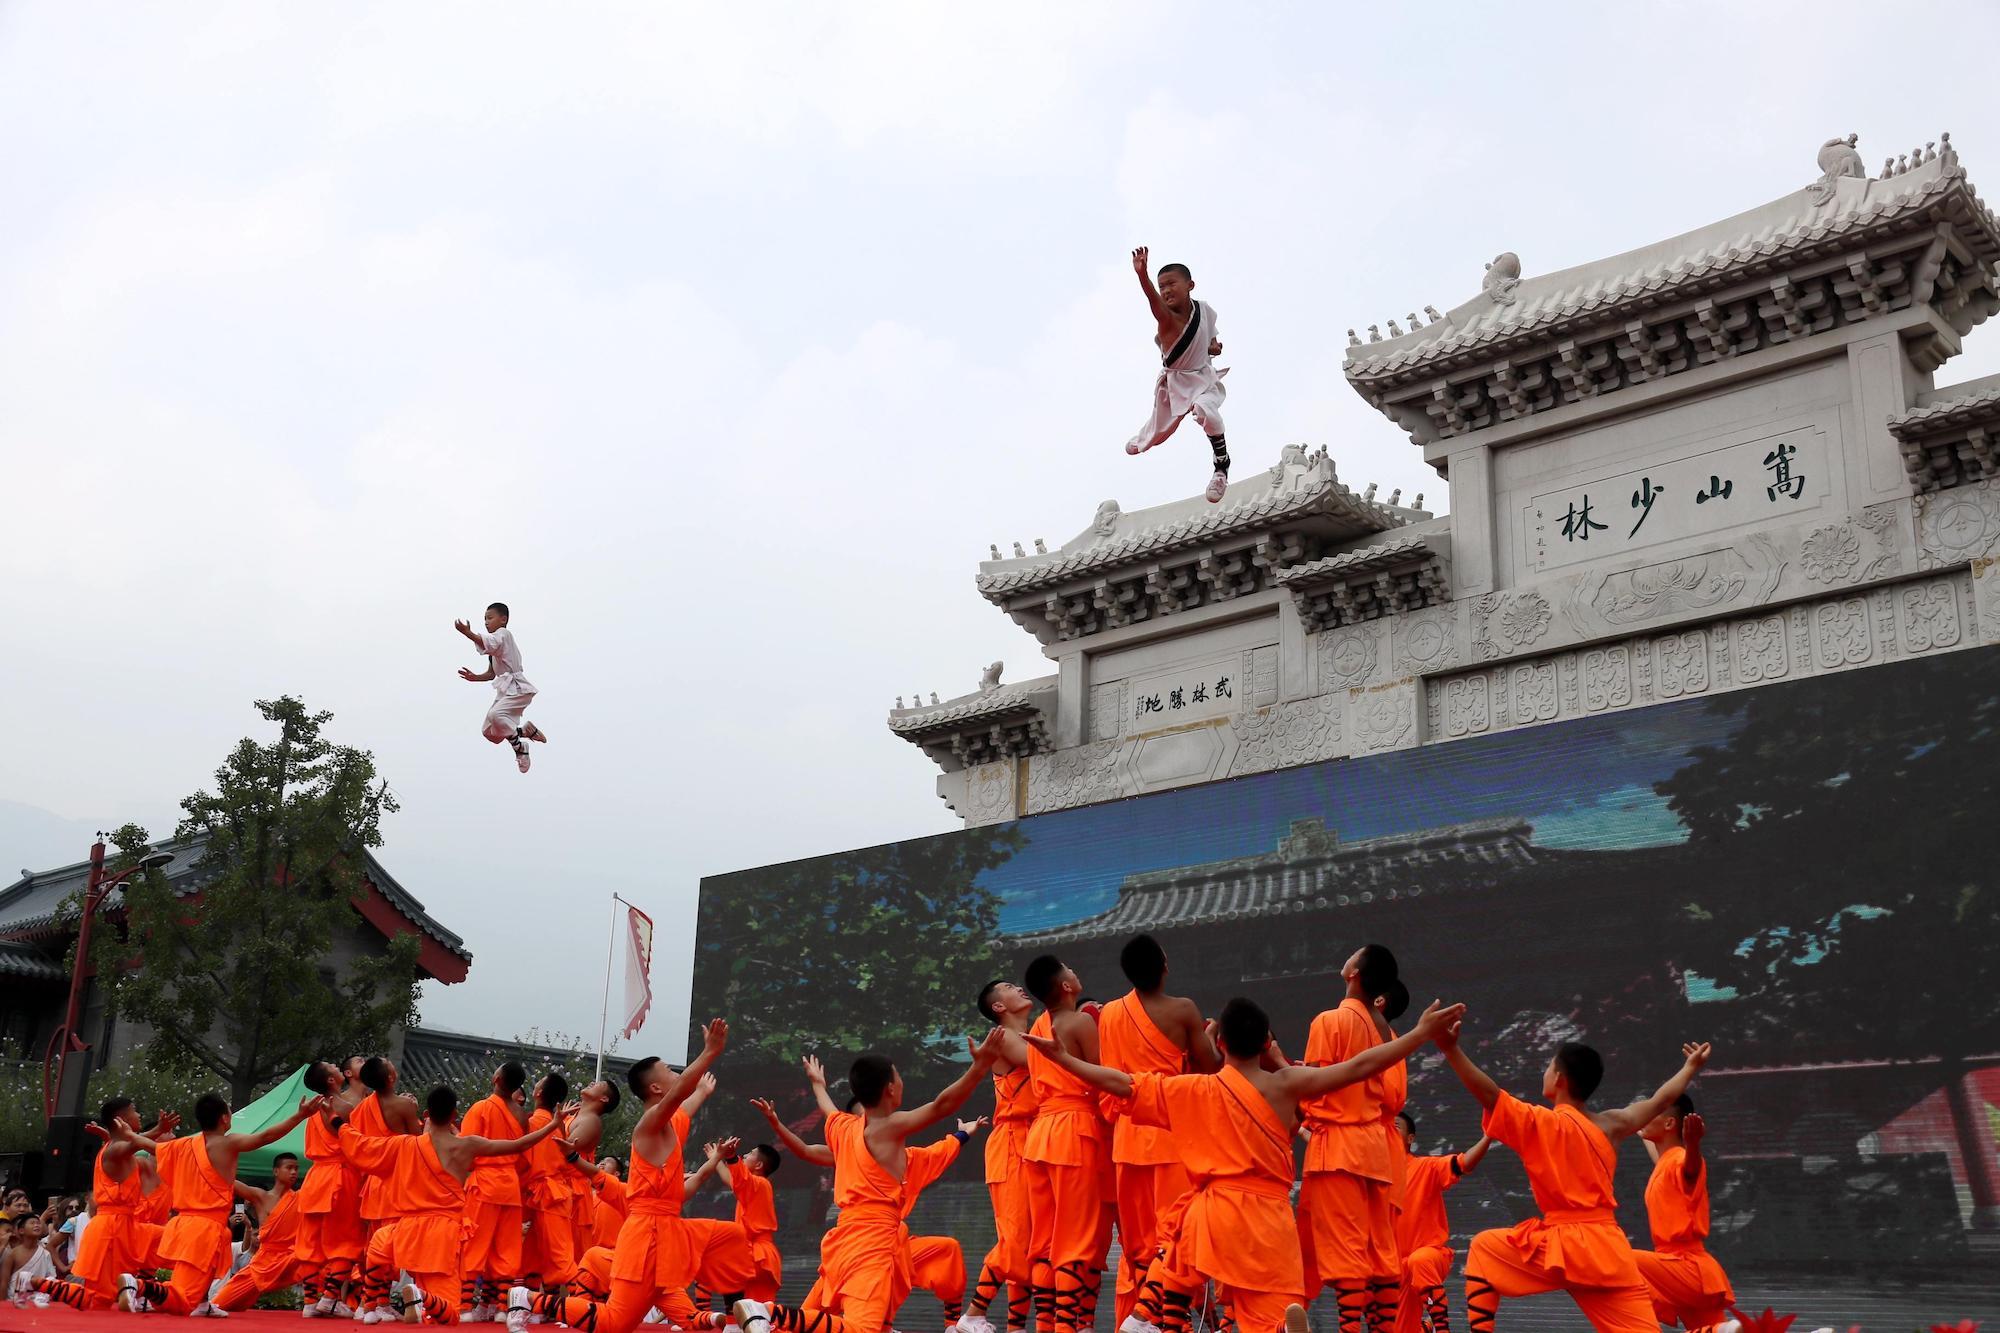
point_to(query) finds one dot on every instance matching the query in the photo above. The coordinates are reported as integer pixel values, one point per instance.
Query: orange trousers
(1497, 1264)
(1145, 1192)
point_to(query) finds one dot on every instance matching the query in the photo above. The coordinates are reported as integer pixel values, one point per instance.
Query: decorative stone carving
(1957, 525)
(1830, 554)
(1841, 634)
(1930, 616)
(1837, 158)
(1384, 717)
(1504, 624)
(1607, 677)
(1349, 657)
(1304, 731)
(989, 793)
(1106, 521)
(1404, 574)
(1680, 664)
(1082, 775)
(1426, 642)
(1689, 585)
(989, 679)
(1503, 275)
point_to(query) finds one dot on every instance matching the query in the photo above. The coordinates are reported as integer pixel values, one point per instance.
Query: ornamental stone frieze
(1710, 464)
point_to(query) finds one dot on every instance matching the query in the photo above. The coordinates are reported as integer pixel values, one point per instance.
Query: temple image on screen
(1682, 724)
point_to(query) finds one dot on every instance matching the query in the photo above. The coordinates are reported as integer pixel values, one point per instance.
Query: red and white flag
(638, 967)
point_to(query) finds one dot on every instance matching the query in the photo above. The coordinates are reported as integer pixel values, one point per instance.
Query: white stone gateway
(1709, 464)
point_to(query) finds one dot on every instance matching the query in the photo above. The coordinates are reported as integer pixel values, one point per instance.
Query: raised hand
(96, 1131)
(1693, 1128)
(815, 1071)
(1436, 1017)
(1139, 261)
(990, 1051)
(729, 1147)
(463, 627)
(568, 1110)
(1048, 1046)
(467, 673)
(1446, 1037)
(1696, 1054)
(707, 1085)
(973, 1126)
(311, 1105)
(711, 1150)
(765, 1109)
(716, 1035)
(169, 1122)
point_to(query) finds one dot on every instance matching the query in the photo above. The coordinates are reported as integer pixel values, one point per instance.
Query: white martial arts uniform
(1188, 383)
(512, 691)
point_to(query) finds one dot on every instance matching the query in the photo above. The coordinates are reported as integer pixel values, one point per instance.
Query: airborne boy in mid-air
(1189, 383)
(512, 691)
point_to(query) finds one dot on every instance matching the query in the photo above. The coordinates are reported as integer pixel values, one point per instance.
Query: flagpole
(604, 1016)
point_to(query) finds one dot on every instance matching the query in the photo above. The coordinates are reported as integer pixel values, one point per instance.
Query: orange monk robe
(1067, 1154)
(273, 1267)
(550, 1248)
(607, 1211)
(429, 1204)
(368, 1120)
(114, 1242)
(757, 1214)
(937, 1263)
(1237, 1229)
(1688, 1286)
(196, 1242)
(583, 1199)
(154, 1210)
(493, 1202)
(329, 1203)
(1348, 1172)
(1149, 1175)
(1007, 1176)
(864, 1264)
(1423, 1233)
(1575, 1245)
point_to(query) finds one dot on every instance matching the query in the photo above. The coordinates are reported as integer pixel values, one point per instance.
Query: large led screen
(1802, 874)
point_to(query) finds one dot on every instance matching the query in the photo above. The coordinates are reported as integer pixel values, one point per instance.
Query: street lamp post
(65, 1041)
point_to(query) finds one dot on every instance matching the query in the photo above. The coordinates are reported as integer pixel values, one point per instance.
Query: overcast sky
(720, 340)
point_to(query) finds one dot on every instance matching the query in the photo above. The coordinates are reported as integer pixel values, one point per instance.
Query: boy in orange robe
(1234, 1132)
(494, 1213)
(1147, 1031)
(200, 1177)
(382, 1112)
(1570, 1154)
(1348, 1183)
(275, 1265)
(1010, 1009)
(864, 1264)
(749, 1179)
(1689, 1287)
(117, 1239)
(329, 1238)
(424, 1179)
(1068, 1150)
(549, 1249)
(1423, 1233)
(659, 1251)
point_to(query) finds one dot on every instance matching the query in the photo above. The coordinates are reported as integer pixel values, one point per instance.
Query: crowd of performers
(1143, 1116)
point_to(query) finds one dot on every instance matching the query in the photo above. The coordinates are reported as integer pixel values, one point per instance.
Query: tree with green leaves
(876, 950)
(245, 976)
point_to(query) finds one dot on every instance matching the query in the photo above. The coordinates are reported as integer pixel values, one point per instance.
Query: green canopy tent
(276, 1105)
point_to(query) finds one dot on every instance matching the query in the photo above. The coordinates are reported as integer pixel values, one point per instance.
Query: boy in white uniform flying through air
(1189, 381)
(512, 690)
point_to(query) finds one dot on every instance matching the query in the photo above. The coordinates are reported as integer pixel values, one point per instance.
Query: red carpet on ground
(62, 1319)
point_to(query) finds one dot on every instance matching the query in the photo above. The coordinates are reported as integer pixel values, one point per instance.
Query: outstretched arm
(1483, 1089)
(711, 1163)
(948, 1102)
(1631, 1119)
(816, 1075)
(1692, 1132)
(508, 1147)
(816, 1153)
(1469, 1160)
(242, 1143)
(1102, 1077)
(1312, 1080)
(1140, 264)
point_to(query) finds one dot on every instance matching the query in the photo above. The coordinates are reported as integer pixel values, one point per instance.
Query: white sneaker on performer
(533, 732)
(413, 1305)
(519, 1299)
(751, 1316)
(373, 1316)
(342, 1310)
(654, 1317)
(520, 753)
(979, 1323)
(323, 1308)
(1133, 1324)
(478, 1314)
(1217, 484)
(1295, 1315)
(40, 1300)
(128, 1293)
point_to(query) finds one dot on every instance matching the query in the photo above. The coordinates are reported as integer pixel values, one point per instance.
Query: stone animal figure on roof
(1837, 158)
(1106, 521)
(989, 679)
(1503, 275)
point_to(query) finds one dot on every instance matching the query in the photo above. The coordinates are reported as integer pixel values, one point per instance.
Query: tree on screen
(241, 977)
(1854, 817)
(882, 949)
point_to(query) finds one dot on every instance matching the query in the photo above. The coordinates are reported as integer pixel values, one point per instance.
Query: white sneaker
(323, 1309)
(518, 1298)
(41, 1300)
(1217, 484)
(342, 1310)
(751, 1316)
(478, 1314)
(520, 753)
(534, 733)
(374, 1316)
(1295, 1320)
(979, 1323)
(413, 1305)
(128, 1293)
(1133, 1324)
